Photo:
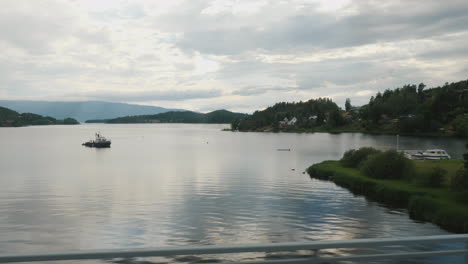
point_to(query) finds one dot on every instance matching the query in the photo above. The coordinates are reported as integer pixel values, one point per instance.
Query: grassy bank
(438, 205)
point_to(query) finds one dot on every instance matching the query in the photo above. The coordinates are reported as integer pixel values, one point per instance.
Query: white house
(292, 121)
(286, 122)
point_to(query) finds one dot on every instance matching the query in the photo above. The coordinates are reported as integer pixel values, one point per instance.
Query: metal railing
(275, 247)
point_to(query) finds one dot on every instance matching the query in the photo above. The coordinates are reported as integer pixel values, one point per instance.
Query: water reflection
(162, 185)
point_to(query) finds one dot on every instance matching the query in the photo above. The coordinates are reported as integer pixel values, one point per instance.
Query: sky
(241, 55)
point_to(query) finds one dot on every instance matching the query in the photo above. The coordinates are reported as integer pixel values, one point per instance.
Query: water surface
(179, 184)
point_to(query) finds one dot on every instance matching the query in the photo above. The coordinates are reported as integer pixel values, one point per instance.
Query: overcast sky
(239, 55)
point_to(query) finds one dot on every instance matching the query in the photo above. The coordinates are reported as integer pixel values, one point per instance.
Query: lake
(181, 184)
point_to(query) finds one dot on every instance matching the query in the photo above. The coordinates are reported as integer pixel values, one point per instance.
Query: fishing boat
(98, 142)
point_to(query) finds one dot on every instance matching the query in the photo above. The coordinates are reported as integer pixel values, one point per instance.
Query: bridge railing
(314, 246)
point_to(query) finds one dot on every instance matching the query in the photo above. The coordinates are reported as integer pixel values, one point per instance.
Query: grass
(437, 205)
(451, 166)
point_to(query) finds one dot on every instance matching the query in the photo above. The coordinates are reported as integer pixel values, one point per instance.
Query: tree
(461, 126)
(421, 87)
(460, 181)
(235, 124)
(335, 119)
(348, 105)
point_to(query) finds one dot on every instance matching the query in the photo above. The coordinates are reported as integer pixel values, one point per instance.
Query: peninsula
(434, 191)
(215, 117)
(10, 118)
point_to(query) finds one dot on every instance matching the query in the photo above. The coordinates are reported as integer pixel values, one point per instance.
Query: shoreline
(340, 131)
(423, 203)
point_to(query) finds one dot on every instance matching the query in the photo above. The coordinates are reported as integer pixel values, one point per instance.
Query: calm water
(162, 185)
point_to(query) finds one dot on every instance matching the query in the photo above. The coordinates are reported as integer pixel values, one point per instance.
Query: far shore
(348, 130)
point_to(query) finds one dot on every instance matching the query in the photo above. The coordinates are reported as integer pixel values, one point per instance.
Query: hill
(314, 113)
(413, 109)
(10, 118)
(215, 117)
(82, 110)
(408, 110)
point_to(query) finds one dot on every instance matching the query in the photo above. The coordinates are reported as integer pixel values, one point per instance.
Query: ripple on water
(169, 187)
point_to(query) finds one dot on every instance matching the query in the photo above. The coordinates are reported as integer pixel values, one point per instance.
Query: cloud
(243, 55)
(40, 27)
(146, 96)
(365, 93)
(259, 90)
(308, 29)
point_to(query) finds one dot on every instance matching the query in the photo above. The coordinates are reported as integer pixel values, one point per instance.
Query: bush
(387, 165)
(431, 177)
(354, 158)
(436, 177)
(462, 197)
(460, 181)
(444, 214)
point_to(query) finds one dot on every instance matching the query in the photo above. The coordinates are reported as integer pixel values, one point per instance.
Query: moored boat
(430, 154)
(98, 142)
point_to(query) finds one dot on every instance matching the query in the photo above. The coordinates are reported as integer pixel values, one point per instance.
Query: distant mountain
(10, 118)
(82, 110)
(215, 117)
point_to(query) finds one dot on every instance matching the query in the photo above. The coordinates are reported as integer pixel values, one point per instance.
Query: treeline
(310, 114)
(10, 118)
(215, 117)
(411, 109)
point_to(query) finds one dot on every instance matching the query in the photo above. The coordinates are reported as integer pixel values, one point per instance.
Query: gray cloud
(147, 96)
(31, 31)
(449, 47)
(259, 90)
(39, 25)
(232, 57)
(311, 29)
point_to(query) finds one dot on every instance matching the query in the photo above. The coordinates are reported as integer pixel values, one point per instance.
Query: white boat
(430, 154)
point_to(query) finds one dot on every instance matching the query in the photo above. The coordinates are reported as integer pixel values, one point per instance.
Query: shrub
(462, 197)
(436, 177)
(422, 208)
(441, 213)
(354, 158)
(430, 177)
(460, 181)
(387, 165)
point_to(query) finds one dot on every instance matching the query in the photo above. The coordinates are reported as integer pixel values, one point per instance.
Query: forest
(411, 109)
(10, 118)
(215, 117)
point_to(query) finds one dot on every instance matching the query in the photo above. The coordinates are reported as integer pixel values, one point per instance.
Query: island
(434, 191)
(10, 118)
(408, 110)
(215, 117)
